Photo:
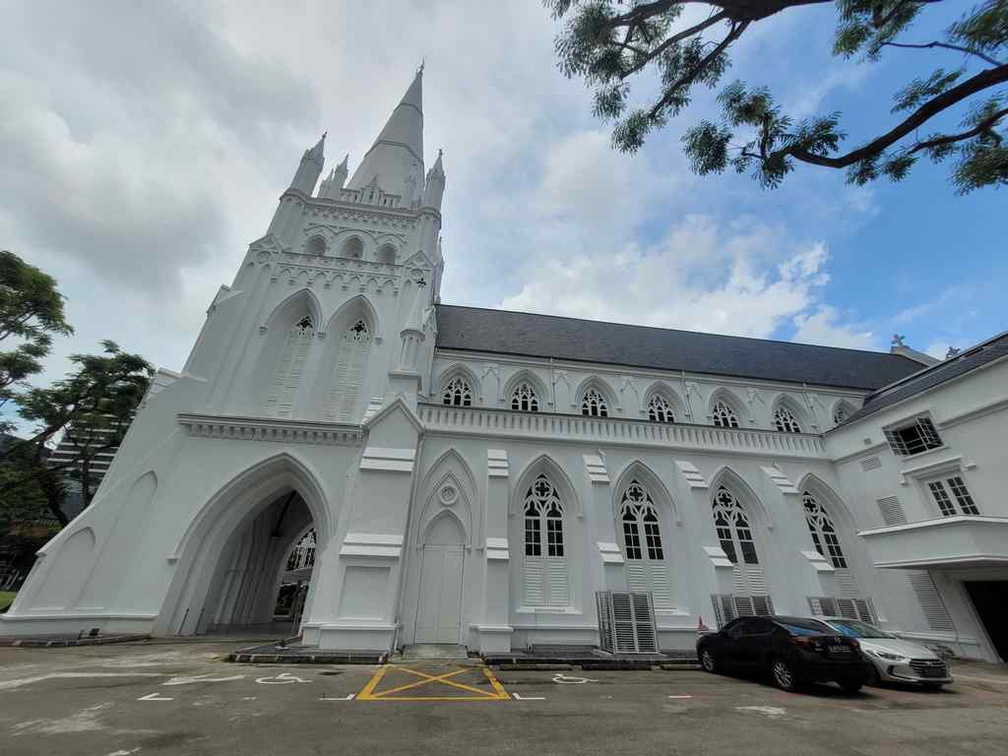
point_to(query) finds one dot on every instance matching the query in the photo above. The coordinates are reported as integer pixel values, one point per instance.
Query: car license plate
(839, 649)
(934, 672)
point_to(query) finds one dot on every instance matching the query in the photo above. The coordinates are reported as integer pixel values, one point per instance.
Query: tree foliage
(93, 407)
(609, 43)
(31, 311)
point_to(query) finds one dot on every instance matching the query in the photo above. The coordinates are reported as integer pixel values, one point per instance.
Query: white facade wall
(419, 506)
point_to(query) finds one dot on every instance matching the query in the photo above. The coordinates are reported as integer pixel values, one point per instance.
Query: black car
(793, 650)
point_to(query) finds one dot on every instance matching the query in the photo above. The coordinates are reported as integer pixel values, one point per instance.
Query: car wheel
(850, 687)
(708, 662)
(783, 675)
(872, 676)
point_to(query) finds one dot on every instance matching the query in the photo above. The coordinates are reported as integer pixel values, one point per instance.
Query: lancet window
(785, 421)
(733, 529)
(524, 398)
(824, 536)
(723, 416)
(545, 571)
(593, 404)
(639, 516)
(351, 362)
(660, 410)
(458, 393)
(286, 381)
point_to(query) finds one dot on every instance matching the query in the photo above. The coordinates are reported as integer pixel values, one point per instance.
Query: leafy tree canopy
(31, 311)
(93, 406)
(609, 43)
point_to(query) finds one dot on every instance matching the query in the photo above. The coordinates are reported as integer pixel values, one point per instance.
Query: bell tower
(331, 313)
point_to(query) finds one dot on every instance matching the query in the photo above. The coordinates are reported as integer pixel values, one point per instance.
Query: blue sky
(141, 158)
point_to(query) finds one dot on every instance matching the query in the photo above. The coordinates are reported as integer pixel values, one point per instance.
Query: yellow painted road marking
(370, 692)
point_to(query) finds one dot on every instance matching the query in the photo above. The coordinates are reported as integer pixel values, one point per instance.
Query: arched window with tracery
(545, 569)
(524, 398)
(302, 556)
(593, 404)
(642, 542)
(352, 247)
(351, 362)
(284, 387)
(660, 410)
(785, 420)
(457, 393)
(723, 415)
(841, 412)
(733, 529)
(824, 536)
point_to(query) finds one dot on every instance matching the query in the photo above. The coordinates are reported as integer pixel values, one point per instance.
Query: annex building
(429, 473)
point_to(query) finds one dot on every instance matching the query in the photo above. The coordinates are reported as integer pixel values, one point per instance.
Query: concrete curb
(71, 642)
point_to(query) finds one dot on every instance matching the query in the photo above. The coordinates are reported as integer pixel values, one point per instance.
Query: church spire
(435, 184)
(395, 160)
(310, 168)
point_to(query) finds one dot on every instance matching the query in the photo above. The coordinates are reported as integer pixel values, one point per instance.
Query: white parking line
(518, 697)
(11, 684)
(201, 678)
(155, 697)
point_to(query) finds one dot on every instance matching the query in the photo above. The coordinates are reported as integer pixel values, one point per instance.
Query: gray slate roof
(518, 333)
(964, 362)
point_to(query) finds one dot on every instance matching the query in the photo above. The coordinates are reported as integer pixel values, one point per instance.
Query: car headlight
(887, 656)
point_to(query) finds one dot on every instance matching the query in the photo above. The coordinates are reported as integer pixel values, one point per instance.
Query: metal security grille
(626, 622)
(728, 606)
(851, 608)
(917, 437)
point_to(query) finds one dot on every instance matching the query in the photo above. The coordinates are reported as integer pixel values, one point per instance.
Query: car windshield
(859, 629)
(804, 627)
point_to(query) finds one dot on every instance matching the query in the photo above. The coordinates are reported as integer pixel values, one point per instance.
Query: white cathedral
(494, 479)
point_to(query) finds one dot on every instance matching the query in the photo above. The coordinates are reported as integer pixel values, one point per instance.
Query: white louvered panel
(646, 632)
(846, 608)
(931, 604)
(865, 610)
(623, 622)
(355, 375)
(744, 606)
(892, 511)
(871, 463)
(739, 578)
(762, 605)
(604, 609)
(637, 577)
(755, 580)
(661, 586)
(280, 374)
(847, 583)
(285, 406)
(556, 574)
(532, 580)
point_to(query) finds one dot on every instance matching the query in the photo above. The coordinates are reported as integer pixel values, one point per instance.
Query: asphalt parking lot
(180, 698)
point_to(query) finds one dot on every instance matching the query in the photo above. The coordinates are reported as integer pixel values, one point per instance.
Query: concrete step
(432, 651)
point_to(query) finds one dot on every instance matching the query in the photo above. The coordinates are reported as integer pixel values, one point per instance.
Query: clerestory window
(457, 393)
(660, 410)
(524, 398)
(785, 421)
(593, 404)
(723, 416)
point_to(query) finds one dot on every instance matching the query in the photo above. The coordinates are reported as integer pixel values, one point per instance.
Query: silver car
(893, 659)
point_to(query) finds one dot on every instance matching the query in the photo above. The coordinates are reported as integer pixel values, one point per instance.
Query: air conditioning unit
(627, 622)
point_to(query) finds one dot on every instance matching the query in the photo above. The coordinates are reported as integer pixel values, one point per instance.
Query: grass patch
(6, 599)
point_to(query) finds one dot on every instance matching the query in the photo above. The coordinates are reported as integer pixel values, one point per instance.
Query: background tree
(31, 311)
(611, 42)
(93, 406)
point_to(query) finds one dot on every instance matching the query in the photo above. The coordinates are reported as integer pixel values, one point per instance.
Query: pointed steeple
(434, 187)
(310, 168)
(395, 160)
(330, 186)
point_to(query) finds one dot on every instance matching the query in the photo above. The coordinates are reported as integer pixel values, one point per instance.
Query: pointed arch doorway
(439, 609)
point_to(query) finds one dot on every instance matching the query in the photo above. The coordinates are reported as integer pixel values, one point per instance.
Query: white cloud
(822, 327)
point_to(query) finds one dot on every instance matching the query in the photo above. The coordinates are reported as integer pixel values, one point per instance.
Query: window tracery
(524, 398)
(639, 515)
(543, 508)
(660, 410)
(723, 415)
(785, 421)
(458, 393)
(824, 536)
(733, 529)
(593, 404)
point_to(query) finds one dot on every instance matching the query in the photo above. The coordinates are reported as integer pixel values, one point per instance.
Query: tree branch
(947, 46)
(983, 127)
(677, 37)
(705, 61)
(925, 112)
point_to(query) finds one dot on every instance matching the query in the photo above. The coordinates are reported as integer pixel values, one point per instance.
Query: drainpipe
(553, 384)
(406, 540)
(689, 409)
(809, 408)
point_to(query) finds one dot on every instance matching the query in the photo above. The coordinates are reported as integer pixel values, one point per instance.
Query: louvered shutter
(636, 576)
(931, 604)
(623, 622)
(351, 362)
(846, 582)
(533, 581)
(644, 622)
(865, 610)
(607, 639)
(556, 573)
(891, 511)
(289, 393)
(762, 605)
(280, 374)
(661, 585)
(744, 606)
(846, 607)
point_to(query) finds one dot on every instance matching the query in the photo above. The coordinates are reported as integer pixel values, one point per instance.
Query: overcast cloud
(145, 145)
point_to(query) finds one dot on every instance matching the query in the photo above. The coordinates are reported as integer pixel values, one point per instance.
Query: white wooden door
(439, 605)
